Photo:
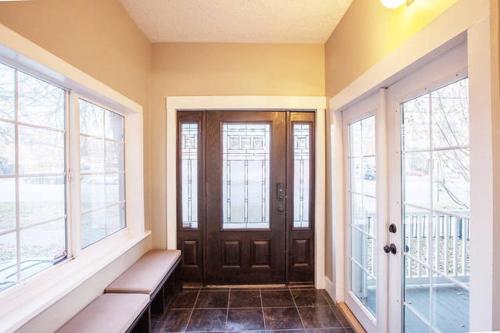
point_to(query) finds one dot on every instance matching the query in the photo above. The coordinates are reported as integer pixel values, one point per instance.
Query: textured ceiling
(234, 21)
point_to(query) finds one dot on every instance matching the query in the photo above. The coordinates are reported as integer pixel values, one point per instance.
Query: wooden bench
(112, 313)
(155, 274)
(127, 302)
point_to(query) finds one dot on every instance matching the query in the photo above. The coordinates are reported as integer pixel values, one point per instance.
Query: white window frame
(29, 297)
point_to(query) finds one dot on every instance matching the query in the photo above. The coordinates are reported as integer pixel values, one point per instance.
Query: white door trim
(245, 103)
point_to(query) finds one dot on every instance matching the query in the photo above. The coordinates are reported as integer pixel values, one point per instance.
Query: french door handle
(390, 248)
(280, 197)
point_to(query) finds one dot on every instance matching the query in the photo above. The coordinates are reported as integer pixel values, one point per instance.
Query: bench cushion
(108, 313)
(146, 274)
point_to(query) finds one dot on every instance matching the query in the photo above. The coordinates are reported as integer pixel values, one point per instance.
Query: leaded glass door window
(245, 180)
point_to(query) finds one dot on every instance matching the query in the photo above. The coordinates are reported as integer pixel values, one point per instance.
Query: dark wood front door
(249, 218)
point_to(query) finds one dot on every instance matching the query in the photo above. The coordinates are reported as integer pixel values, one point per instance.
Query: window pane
(115, 218)
(36, 208)
(416, 127)
(417, 179)
(115, 188)
(450, 304)
(92, 192)
(114, 126)
(102, 167)
(41, 151)
(301, 174)
(7, 92)
(7, 149)
(35, 212)
(189, 172)
(450, 115)
(93, 227)
(451, 180)
(40, 103)
(8, 268)
(42, 246)
(7, 204)
(114, 156)
(91, 155)
(91, 119)
(245, 175)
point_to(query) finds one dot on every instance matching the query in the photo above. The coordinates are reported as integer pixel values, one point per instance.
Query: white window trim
(28, 298)
(245, 103)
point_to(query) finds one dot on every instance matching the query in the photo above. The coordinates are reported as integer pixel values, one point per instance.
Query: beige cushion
(145, 275)
(108, 313)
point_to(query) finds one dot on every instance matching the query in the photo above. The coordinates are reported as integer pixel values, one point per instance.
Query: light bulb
(392, 3)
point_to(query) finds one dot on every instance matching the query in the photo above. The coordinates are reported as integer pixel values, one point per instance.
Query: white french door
(366, 282)
(408, 202)
(430, 197)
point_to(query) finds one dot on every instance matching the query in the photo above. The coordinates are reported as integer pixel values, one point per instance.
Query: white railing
(447, 247)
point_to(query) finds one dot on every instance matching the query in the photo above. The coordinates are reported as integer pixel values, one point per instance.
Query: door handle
(390, 248)
(280, 197)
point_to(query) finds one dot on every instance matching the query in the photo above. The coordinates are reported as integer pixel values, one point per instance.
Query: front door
(254, 197)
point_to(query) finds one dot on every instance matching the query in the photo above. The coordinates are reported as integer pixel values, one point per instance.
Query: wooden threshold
(350, 317)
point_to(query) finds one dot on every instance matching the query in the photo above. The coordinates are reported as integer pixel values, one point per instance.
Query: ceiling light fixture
(392, 4)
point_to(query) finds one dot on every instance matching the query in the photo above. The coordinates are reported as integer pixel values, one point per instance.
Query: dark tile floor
(292, 310)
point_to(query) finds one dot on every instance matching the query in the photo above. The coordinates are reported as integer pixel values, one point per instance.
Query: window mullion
(16, 168)
(74, 172)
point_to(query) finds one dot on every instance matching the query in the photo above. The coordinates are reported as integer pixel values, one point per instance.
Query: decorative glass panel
(189, 171)
(102, 169)
(301, 174)
(436, 209)
(363, 211)
(245, 175)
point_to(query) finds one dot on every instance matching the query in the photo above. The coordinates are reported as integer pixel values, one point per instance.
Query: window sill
(29, 298)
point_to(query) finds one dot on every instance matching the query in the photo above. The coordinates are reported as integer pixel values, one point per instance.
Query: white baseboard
(330, 288)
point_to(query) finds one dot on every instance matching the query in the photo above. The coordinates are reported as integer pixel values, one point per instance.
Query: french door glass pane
(189, 174)
(245, 175)
(363, 212)
(301, 174)
(436, 197)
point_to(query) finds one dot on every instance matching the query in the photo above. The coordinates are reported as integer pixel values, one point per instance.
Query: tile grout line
(227, 309)
(192, 310)
(262, 308)
(336, 312)
(297, 308)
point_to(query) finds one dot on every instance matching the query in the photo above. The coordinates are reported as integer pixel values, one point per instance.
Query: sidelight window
(301, 174)
(189, 174)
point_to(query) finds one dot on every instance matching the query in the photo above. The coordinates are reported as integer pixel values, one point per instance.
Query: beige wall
(180, 69)
(368, 33)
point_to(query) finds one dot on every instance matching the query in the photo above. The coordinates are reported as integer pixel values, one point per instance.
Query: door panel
(245, 222)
